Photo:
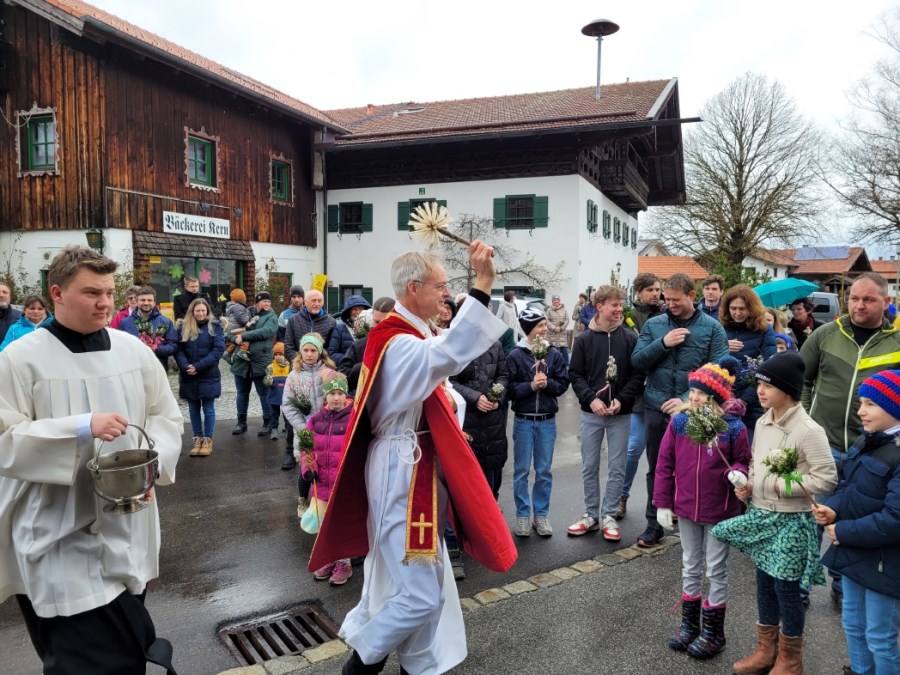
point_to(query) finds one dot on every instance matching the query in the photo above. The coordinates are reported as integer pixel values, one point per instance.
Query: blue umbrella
(784, 291)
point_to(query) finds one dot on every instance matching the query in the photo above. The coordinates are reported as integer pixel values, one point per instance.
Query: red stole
(476, 517)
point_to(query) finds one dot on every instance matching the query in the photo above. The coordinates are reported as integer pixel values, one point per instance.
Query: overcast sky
(350, 53)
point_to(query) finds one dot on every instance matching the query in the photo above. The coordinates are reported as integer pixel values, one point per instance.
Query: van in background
(826, 307)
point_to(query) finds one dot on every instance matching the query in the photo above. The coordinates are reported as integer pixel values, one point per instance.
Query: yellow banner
(319, 282)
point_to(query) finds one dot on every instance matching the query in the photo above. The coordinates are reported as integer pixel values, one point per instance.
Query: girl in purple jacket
(329, 425)
(696, 483)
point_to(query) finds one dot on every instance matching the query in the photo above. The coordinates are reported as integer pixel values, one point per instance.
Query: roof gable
(826, 260)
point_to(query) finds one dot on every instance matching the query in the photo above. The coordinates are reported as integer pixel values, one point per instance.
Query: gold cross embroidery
(421, 524)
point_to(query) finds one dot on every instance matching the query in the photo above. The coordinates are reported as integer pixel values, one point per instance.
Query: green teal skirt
(783, 545)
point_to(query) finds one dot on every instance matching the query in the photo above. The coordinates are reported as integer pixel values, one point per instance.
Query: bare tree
(865, 159)
(750, 174)
(513, 266)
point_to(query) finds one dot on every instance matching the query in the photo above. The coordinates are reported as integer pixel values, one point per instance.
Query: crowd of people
(760, 433)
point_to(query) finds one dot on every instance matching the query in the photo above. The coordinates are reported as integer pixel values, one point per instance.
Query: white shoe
(542, 526)
(523, 527)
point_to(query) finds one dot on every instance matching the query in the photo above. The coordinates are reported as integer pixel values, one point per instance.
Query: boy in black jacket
(606, 385)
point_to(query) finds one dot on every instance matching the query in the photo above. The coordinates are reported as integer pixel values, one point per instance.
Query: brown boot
(790, 656)
(206, 446)
(195, 450)
(763, 657)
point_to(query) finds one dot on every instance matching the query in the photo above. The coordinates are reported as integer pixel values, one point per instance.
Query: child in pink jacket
(696, 483)
(329, 426)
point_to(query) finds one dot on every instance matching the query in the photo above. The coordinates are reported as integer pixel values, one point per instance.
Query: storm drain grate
(286, 633)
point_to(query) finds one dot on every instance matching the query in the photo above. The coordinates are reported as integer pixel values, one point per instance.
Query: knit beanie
(529, 318)
(785, 371)
(237, 295)
(278, 348)
(297, 290)
(263, 295)
(715, 379)
(883, 389)
(335, 381)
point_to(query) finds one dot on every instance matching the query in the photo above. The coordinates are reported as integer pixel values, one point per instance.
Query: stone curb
(291, 665)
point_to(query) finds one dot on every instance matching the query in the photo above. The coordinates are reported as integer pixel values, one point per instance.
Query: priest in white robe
(409, 600)
(78, 572)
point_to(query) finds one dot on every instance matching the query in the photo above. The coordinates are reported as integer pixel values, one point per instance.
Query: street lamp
(614, 276)
(95, 239)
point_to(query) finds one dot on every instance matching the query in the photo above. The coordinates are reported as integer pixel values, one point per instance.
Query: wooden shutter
(334, 218)
(590, 215)
(403, 216)
(333, 299)
(367, 294)
(541, 212)
(500, 212)
(366, 218)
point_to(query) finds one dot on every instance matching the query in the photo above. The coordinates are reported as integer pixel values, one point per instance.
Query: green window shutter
(442, 202)
(366, 218)
(334, 218)
(367, 294)
(606, 224)
(403, 216)
(590, 212)
(499, 211)
(541, 212)
(333, 299)
(625, 234)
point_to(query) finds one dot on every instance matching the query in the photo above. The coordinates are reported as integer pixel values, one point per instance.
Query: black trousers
(116, 639)
(655, 423)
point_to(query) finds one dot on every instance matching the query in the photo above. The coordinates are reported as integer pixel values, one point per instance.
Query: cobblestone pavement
(226, 408)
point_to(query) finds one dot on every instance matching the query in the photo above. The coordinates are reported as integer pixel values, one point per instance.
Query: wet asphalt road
(232, 548)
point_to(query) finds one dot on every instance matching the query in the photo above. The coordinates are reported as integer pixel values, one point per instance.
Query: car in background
(529, 302)
(826, 307)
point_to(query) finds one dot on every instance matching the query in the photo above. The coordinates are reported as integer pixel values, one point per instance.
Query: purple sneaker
(324, 572)
(342, 572)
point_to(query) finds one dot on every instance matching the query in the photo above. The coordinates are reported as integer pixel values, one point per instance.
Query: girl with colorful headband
(303, 395)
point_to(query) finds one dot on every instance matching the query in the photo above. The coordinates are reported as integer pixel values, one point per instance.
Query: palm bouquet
(495, 393)
(782, 462)
(704, 426)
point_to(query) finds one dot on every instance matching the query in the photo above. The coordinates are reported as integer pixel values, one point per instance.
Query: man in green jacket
(839, 356)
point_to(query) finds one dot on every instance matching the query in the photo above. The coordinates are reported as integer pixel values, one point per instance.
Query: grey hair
(412, 266)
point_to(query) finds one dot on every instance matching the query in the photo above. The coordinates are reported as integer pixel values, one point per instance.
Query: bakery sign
(197, 226)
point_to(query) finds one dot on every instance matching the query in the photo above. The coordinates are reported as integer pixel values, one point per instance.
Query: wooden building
(170, 162)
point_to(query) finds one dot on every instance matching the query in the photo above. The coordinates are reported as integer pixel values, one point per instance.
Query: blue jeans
(565, 353)
(871, 622)
(205, 425)
(637, 439)
(242, 395)
(593, 428)
(533, 441)
(779, 601)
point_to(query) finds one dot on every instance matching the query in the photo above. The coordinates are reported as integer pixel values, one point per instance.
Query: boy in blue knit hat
(863, 520)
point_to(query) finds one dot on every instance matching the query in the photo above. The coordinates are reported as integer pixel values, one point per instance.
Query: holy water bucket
(124, 478)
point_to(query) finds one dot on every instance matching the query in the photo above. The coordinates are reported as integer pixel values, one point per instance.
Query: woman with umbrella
(751, 341)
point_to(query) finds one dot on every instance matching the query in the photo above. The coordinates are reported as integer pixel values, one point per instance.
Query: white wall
(765, 267)
(365, 259)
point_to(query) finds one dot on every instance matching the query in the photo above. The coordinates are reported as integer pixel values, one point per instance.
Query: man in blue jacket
(150, 327)
(671, 346)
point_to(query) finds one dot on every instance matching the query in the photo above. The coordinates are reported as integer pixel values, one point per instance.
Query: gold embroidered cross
(422, 524)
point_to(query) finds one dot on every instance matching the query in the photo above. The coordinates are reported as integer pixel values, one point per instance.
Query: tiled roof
(665, 266)
(84, 13)
(773, 256)
(825, 266)
(566, 108)
(886, 268)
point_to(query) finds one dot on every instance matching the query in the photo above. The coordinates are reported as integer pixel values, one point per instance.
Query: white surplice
(57, 545)
(411, 608)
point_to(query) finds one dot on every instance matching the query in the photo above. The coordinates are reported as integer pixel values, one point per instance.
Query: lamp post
(615, 275)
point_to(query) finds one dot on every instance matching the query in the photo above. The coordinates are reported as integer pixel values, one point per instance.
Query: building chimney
(369, 109)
